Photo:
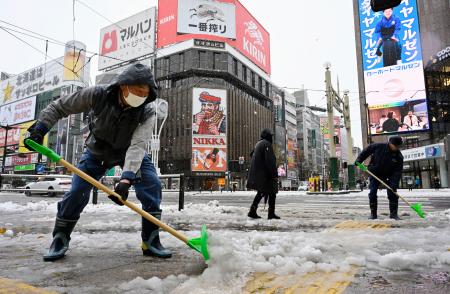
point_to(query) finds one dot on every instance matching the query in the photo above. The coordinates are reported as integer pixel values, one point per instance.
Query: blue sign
(393, 68)
(40, 168)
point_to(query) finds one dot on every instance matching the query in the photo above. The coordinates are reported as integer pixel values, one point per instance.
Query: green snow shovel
(198, 244)
(417, 207)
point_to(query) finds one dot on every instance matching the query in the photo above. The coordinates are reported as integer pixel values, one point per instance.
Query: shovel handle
(131, 205)
(387, 186)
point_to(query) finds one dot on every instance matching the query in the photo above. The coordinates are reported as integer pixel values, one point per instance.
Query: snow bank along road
(322, 243)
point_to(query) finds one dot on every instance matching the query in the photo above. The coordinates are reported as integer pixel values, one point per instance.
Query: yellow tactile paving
(362, 225)
(2, 230)
(8, 286)
(310, 283)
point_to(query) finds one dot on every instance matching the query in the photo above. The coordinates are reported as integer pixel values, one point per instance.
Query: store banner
(18, 111)
(37, 80)
(209, 130)
(393, 68)
(128, 39)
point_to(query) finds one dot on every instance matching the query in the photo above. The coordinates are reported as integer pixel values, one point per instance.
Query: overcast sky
(304, 35)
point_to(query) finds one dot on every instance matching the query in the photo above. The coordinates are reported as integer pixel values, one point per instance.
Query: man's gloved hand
(122, 189)
(37, 131)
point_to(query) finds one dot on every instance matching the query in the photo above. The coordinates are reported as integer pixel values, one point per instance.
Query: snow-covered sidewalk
(304, 241)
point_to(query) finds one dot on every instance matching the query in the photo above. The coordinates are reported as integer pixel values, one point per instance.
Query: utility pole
(334, 176)
(350, 162)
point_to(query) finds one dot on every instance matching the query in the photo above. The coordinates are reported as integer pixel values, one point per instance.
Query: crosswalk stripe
(13, 287)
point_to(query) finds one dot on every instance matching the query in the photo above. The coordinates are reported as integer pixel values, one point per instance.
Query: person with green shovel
(121, 119)
(386, 163)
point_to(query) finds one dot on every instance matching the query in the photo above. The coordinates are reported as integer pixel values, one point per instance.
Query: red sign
(252, 40)
(26, 159)
(13, 137)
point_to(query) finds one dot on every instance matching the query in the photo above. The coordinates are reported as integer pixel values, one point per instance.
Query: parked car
(61, 185)
(303, 186)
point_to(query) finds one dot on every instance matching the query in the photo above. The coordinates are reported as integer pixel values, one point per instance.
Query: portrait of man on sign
(211, 120)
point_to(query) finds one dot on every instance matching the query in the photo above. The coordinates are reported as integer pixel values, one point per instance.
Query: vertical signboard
(209, 130)
(127, 39)
(393, 68)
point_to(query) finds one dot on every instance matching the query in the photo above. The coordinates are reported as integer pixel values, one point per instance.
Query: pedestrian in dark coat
(263, 176)
(386, 163)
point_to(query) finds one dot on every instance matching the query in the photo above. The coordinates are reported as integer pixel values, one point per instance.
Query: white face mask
(134, 100)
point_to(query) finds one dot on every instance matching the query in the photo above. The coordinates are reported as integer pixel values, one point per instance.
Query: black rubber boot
(393, 209)
(151, 245)
(61, 238)
(252, 213)
(373, 210)
(272, 214)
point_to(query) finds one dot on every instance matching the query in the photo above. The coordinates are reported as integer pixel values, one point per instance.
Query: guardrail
(94, 191)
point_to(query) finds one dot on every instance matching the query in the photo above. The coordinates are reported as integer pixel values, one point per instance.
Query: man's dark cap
(396, 140)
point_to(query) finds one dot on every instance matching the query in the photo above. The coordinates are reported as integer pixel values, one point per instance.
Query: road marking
(362, 225)
(13, 287)
(309, 283)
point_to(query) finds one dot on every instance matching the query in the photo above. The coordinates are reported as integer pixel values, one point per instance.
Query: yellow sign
(221, 181)
(7, 92)
(23, 133)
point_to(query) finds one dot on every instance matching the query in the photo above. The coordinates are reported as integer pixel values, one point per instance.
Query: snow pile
(30, 206)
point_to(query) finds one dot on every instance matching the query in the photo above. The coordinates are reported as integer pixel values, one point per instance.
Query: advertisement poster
(18, 111)
(243, 32)
(209, 130)
(127, 39)
(393, 68)
(210, 17)
(37, 80)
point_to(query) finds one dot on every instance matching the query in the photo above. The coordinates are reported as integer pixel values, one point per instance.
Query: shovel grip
(52, 155)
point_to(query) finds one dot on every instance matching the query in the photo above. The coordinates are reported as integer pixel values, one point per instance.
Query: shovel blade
(417, 207)
(200, 244)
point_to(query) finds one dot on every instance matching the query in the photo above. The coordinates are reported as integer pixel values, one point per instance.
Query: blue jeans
(148, 187)
(373, 187)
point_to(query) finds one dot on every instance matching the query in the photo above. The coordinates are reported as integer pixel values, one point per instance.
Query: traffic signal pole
(334, 176)
(351, 161)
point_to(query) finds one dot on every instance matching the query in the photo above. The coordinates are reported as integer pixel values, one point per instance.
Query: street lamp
(155, 143)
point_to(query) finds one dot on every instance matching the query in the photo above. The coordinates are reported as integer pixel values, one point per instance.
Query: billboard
(393, 68)
(209, 130)
(18, 111)
(75, 61)
(127, 39)
(251, 39)
(207, 17)
(37, 80)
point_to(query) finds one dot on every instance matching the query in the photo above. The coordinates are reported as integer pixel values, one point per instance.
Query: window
(235, 66)
(244, 73)
(260, 84)
(216, 60)
(181, 58)
(253, 80)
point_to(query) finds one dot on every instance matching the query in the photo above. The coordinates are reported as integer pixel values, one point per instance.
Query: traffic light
(379, 5)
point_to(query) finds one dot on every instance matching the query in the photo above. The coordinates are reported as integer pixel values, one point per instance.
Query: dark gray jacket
(113, 129)
(262, 175)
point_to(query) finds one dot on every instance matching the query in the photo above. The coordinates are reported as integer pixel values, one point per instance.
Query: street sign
(24, 167)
